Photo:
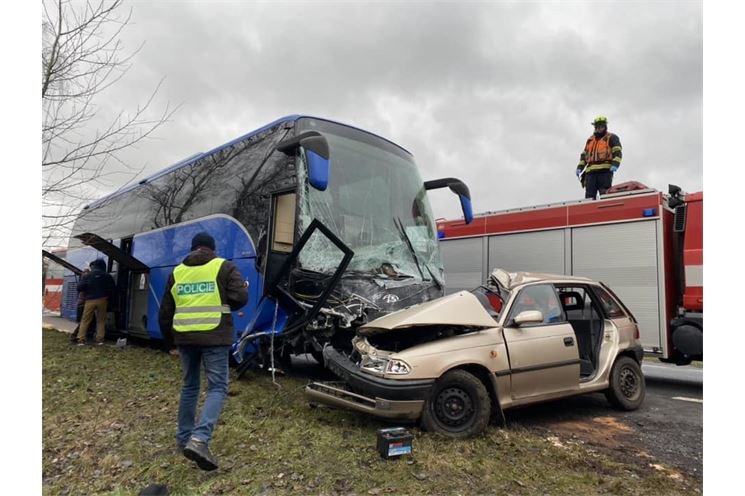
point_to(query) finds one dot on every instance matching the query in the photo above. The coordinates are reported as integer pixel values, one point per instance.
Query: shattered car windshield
(491, 298)
(376, 203)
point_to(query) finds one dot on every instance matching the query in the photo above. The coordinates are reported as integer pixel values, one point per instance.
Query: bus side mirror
(316, 156)
(459, 188)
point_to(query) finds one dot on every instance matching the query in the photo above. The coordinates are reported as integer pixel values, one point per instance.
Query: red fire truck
(646, 245)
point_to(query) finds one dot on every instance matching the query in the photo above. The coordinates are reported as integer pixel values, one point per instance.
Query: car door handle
(568, 341)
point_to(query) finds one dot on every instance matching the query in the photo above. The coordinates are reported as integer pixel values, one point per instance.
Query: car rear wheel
(458, 407)
(627, 387)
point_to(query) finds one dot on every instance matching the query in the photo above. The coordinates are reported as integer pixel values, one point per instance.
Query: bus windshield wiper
(400, 226)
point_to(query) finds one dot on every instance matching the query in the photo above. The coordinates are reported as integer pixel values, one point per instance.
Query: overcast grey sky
(498, 94)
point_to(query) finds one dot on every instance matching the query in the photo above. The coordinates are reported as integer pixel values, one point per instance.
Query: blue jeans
(216, 365)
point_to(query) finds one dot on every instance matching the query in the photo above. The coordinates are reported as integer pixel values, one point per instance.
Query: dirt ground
(664, 434)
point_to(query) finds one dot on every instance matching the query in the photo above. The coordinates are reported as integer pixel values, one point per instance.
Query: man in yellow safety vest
(195, 316)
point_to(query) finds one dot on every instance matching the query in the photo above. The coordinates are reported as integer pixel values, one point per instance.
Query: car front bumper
(386, 398)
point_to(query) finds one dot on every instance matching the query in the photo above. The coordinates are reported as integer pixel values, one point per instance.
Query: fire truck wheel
(459, 406)
(627, 388)
(688, 340)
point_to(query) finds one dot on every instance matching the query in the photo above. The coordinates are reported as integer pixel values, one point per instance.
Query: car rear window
(612, 309)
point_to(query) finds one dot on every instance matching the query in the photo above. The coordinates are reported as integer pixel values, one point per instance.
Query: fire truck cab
(646, 245)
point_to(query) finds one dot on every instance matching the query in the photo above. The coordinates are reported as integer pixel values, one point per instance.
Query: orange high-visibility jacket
(601, 153)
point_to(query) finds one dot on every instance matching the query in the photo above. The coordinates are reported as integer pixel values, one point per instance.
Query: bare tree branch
(82, 56)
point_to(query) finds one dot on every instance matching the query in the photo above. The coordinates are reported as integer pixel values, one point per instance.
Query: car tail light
(636, 332)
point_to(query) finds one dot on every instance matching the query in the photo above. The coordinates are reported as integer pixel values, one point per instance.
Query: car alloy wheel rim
(454, 407)
(629, 383)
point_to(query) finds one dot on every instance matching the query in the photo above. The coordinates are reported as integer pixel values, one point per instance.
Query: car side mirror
(528, 317)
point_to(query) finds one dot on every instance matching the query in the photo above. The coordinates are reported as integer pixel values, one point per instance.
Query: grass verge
(109, 423)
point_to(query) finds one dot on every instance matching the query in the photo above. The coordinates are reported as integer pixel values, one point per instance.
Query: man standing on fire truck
(599, 160)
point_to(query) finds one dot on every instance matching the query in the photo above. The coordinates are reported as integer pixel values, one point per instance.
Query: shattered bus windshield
(376, 203)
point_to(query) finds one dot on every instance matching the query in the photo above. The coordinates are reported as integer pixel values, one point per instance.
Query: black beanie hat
(203, 239)
(98, 264)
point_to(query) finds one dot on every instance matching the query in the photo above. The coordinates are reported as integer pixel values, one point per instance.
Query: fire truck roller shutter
(625, 257)
(542, 251)
(463, 259)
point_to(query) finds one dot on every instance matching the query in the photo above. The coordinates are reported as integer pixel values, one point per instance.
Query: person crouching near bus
(98, 287)
(195, 316)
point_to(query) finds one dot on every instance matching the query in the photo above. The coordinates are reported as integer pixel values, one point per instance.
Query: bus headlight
(397, 367)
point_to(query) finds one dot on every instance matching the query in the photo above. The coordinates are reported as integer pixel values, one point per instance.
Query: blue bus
(330, 226)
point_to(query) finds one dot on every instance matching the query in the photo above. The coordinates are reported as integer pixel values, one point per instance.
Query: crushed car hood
(458, 309)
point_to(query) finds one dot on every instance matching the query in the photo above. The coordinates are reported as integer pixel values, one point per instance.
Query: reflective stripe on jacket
(601, 153)
(197, 297)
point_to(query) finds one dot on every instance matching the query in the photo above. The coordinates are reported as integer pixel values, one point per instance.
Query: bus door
(129, 308)
(132, 285)
(281, 233)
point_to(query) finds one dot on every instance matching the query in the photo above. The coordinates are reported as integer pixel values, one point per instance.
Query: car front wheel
(458, 407)
(627, 388)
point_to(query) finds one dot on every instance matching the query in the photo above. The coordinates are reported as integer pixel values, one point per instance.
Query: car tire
(459, 406)
(627, 388)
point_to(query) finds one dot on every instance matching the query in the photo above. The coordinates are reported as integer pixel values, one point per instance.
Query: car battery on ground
(394, 442)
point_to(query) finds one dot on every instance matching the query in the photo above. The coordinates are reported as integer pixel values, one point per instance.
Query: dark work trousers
(598, 182)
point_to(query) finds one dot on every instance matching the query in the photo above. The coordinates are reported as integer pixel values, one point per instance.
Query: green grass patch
(109, 420)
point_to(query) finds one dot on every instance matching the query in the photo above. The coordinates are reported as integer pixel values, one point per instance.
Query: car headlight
(398, 367)
(373, 364)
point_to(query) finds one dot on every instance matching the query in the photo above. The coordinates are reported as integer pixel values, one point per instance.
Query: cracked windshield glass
(376, 203)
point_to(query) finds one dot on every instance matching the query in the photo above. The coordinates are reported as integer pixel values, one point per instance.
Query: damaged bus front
(366, 242)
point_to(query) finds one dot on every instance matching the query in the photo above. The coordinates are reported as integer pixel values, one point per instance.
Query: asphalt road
(664, 372)
(667, 429)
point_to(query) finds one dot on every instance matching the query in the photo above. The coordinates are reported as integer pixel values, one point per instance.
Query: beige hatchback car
(455, 361)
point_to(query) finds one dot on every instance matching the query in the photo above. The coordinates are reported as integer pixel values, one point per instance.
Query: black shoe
(197, 451)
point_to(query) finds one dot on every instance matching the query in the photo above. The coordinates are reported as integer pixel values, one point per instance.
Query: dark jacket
(96, 284)
(233, 293)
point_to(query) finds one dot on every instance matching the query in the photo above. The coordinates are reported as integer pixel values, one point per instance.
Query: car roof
(512, 280)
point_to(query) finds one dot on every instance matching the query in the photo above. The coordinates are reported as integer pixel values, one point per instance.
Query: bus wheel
(627, 388)
(458, 407)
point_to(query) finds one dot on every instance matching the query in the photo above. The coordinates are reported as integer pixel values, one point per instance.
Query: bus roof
(193, 158)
